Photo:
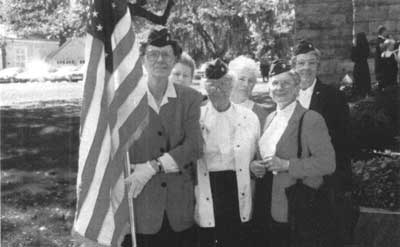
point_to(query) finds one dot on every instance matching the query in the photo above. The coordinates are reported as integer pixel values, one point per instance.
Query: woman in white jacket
(223, 192)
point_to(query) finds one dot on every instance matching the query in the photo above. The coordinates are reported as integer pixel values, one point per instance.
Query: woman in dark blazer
(278, 150)
(359, 55)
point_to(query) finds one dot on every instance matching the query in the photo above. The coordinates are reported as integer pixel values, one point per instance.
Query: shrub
(373, 122)
(377, 183)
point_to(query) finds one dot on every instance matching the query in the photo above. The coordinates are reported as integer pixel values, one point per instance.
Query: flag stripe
(96, 56)
(120, 215)
(92, 117)
(113, 169)
(124, 91)
(107, 228)
(117, 195)
(125, 66)
(134, 121)
(88, 202)
(119, 53)
(123, 27)
(95, 149)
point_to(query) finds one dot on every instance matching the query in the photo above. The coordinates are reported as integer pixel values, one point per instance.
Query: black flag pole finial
(137, 9)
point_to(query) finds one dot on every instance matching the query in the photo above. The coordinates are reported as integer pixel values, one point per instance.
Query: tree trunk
(3, 56)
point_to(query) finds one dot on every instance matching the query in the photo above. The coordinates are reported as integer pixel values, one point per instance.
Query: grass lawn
(38, 170)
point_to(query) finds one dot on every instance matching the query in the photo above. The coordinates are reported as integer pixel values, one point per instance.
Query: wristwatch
(159, 165)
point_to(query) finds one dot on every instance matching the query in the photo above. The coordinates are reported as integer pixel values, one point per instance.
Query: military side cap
(303, 47)
(216, 69)
(160, 38)
(277, 67)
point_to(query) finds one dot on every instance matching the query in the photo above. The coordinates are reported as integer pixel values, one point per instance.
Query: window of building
(20, 56)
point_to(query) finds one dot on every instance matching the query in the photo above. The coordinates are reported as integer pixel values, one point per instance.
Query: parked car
(7, 75)
(77, 74)
(31, 76)
(63, 73)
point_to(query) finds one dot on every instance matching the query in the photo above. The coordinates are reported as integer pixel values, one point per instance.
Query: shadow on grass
(39, 158)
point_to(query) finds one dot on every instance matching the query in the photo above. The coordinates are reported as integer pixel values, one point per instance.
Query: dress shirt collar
(248, 104)
(310, 89)
(305, 95)
(170, 92)
(214, 111)
(287, 111)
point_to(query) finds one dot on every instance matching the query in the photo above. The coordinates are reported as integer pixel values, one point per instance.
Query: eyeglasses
(154, 55)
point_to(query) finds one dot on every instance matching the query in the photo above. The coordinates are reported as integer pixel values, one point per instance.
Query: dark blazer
(176, 130)
(378, 58)
(332, 105)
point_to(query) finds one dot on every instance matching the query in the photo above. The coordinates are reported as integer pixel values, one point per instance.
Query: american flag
(114, 113)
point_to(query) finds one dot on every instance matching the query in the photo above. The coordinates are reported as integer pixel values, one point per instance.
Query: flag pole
(130, 203)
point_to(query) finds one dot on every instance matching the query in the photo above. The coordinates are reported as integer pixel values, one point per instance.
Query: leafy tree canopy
(47, 19)
(206, 28)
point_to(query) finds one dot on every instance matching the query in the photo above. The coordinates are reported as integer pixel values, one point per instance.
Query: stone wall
(328, 24)
(369, 14)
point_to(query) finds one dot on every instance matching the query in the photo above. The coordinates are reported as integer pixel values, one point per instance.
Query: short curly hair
(243, 62)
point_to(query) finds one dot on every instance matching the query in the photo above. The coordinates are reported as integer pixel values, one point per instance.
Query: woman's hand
(276, 164)
(257, 167)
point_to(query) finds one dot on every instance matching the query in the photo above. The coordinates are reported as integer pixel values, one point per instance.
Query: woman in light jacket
(223, 192)
(246, 72)
(278, 149)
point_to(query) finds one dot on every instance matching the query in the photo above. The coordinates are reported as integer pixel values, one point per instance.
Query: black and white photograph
(200, 123)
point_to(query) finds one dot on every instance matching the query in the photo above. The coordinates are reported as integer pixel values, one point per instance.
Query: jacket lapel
(270, 117)
(292, 126)
(317, 98)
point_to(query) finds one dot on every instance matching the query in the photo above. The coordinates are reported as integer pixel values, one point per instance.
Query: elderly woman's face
(220, 89)
(244, 82)
(307, 67)
(283, 89)
(159, 61)
(181, 74)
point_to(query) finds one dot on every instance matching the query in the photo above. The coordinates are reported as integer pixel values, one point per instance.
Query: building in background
(22, 52)
(72, 52)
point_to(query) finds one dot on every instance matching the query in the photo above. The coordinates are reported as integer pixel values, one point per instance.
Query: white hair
(241, 62)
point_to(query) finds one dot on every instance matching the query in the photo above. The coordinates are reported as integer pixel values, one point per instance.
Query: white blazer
(245, 145)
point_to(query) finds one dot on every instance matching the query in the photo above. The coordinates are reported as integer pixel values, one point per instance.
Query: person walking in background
(246, 73)
(378, 52)
(223, 192)
(361, 75)
(161, 183)
(279, 151)
(389, 63)
(332, 105)
(183, 71)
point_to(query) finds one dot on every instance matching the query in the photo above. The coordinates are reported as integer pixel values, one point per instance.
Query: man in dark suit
(162, 179)
(378, 55)
(331, 104)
